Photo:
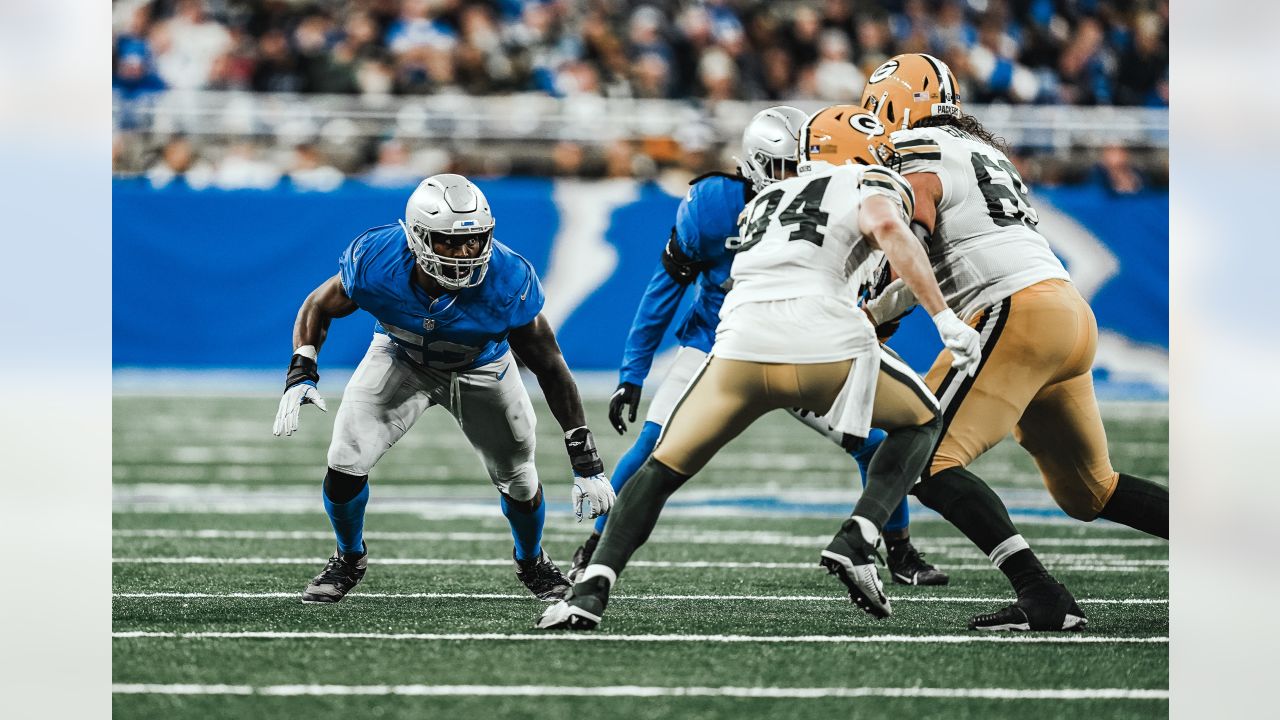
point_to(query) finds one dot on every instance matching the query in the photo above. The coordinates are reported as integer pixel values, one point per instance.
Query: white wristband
(307, 351)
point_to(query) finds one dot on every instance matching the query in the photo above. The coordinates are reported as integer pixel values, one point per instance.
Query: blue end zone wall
(213, 279)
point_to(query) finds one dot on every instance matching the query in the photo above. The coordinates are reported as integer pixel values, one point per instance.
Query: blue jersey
(706, 219)
(456, 331)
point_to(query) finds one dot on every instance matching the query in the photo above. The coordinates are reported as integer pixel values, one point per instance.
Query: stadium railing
(532, 117)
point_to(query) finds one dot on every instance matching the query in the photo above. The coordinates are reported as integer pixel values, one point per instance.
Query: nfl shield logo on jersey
(428, 324)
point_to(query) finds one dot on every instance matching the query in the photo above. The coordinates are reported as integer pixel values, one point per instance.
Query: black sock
(342, 488)
(895, 540)
(973, 507)
(635, 513)
(590, 545)
(897, 464)
(1023, 569)
(968, 503)
(1140, 504)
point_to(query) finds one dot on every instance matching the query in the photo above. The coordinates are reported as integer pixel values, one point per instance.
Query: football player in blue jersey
(700, 253)
(452, 306)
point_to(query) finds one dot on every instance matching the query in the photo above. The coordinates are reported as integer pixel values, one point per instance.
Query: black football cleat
(542, 577)
(343, 572)
(1043, 607)
(849, 557)
(907, 566)
(582, 557)
(580, 610)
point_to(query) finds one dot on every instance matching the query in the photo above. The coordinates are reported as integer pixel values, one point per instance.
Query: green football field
(218, 525)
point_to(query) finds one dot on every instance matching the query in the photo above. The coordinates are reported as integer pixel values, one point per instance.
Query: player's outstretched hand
(963, 342)
(291, 402)
(627, 396)
(594, 491)
(589, 482)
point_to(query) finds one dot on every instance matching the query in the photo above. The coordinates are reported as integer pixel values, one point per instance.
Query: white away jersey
(985, 246)
(800, 237)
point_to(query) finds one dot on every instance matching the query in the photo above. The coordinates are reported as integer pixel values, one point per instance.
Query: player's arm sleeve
(921, 153)
(531, 299)
(350, 270)
(882, 181)
(653, 316)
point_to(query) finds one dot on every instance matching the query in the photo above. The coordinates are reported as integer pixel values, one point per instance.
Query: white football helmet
(449, 209)
(770, 143)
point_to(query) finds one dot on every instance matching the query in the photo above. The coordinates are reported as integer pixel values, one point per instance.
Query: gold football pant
(1034, 380)
(728, 395)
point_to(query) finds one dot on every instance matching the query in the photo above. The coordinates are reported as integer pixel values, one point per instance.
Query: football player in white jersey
(1039, 337)
(791, 334)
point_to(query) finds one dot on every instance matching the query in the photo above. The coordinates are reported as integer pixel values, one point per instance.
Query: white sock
(869, 531)
(604, 571)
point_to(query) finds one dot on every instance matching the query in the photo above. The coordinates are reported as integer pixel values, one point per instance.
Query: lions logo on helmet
(449, 209)
(847, 133)
(910, 87)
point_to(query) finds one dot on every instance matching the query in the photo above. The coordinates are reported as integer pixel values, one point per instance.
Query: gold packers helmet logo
(846, 133)
(910, 87)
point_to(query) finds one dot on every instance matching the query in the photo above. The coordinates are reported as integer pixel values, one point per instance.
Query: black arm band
(301, 369)
(582, 452)
(682, 268)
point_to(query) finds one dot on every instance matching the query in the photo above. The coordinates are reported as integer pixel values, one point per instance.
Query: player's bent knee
(519, 483)
(942, 461)
(1080, 499)
(347, 458)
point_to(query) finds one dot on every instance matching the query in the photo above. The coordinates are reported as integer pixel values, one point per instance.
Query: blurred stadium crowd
(1044, 52)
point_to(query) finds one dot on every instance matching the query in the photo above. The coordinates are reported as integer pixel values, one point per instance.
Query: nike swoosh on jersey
(503, 374)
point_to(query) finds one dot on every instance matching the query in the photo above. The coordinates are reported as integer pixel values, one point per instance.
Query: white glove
(963, 341)
(291, 402)
(894, 301)
(594, 490)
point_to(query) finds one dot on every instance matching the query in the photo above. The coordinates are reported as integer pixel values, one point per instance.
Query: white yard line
(436, 502)
(605, 637)
(1099, 566)
(525, 596)
(697, 537)
(650, 691)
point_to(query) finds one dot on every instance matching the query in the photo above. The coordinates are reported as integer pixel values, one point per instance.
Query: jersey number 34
(803, 213)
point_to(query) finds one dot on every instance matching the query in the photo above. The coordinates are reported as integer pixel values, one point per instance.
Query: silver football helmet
(449, 209)
(770, 143)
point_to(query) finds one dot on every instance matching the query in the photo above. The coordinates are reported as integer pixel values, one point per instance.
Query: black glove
(626, 396)
(884, 331)
(582, 452)
(301, 369)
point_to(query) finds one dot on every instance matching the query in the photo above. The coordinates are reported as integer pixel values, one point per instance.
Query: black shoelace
(336, 572)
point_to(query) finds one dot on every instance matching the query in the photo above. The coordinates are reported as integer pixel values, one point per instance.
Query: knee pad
(346, 458)
(1081, 498)
(341, 487)
(528, 505)
(520, 484)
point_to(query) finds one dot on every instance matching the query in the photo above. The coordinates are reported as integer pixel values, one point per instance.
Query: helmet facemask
(452, 273)
(763, 169)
